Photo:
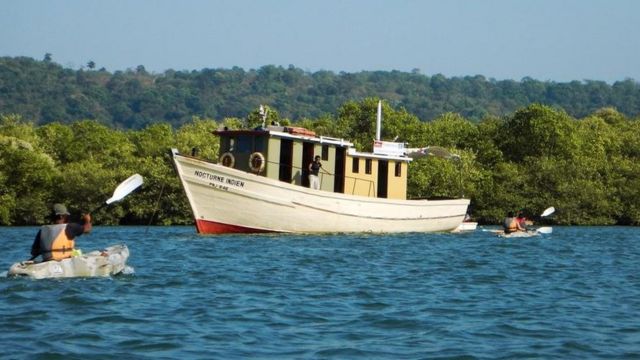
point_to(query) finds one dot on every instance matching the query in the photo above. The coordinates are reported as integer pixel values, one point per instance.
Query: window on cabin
(325, 152)
(244, 144)
(367, 166)
(398, 169)
(232, 145)
(259, 144)
(356, 165)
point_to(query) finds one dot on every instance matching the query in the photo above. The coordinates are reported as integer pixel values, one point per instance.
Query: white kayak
(545, 230)
(466, 226)
(110, 261)
(519, 234)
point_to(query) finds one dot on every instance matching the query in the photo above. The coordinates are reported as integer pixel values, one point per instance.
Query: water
(574, 294)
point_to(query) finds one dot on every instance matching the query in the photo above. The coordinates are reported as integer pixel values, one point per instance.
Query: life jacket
(54, 242)
(510, 225)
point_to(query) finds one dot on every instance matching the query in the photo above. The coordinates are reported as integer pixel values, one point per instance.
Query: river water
(574, 294)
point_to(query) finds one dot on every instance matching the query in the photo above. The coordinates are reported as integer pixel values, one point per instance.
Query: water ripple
(575, 294)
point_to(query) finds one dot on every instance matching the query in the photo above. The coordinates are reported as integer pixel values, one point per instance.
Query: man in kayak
(57, 241)
(521, 220)
(511, 224)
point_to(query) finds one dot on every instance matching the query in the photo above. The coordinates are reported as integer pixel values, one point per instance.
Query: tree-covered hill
(46, 92)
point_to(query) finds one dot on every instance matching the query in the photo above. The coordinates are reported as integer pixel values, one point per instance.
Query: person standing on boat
(314, 169)
(57, 241)
(511, 224)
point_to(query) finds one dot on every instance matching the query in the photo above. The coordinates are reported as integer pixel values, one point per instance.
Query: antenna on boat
(379, 120)
(263, 113)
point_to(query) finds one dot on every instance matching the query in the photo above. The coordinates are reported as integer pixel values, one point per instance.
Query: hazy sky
(559, 40)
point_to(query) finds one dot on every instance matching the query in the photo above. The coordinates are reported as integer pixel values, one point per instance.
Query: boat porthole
(227, 159)
(256, 162)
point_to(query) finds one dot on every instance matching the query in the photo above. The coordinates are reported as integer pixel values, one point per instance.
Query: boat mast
(379, 120)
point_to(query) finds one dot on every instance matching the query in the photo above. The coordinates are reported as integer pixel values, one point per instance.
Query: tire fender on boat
(257, 162)
(227, 159)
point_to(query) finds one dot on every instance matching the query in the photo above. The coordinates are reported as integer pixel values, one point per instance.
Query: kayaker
(521, 220)
(510, 224)
(57, 241)
(314, 169)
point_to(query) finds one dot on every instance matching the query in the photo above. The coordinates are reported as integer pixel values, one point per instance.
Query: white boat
(107, 262)
(260, 184)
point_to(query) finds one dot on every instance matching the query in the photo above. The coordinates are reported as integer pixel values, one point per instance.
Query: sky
(547, 40)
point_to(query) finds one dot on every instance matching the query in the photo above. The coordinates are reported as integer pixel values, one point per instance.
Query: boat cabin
(284, 153)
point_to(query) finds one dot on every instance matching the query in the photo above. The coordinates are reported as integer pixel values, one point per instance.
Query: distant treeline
(535, 157)
(44, 92)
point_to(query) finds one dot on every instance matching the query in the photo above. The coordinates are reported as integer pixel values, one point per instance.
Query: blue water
(574, 294)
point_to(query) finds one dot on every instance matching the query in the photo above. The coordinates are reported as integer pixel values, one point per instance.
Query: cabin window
(244, 144)
(259, 144)
(231, 145)
(398, 169)
(325, 152)
(367, 166)
(356, 165)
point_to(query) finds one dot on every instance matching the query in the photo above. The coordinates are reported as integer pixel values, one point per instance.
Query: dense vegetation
(45, 92)
(537, 156)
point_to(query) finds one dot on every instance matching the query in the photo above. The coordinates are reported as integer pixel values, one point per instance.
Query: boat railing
(297, 171)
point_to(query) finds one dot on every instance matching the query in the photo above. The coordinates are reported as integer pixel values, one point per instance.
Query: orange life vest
(54, 242)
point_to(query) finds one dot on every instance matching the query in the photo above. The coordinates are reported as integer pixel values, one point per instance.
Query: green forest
(72, 135)
(44, 92)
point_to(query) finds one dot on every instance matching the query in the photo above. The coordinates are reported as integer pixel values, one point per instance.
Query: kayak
(523, 234)
(545, 230)
(110, 261)
(466, 226)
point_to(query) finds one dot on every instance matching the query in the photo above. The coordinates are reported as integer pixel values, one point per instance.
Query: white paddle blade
(548, 211)
(126, 187)
(545, 230)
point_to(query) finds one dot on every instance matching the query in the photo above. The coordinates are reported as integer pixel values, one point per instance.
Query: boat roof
(287, 132)
(369, 155)
(290, 132)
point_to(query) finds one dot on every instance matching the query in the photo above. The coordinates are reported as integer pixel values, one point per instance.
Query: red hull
(212, 227)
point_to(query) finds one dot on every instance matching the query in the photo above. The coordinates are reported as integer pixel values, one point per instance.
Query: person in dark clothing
(314, 169)
(57, 241)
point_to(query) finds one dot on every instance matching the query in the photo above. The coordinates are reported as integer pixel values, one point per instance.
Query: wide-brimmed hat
(60, 209)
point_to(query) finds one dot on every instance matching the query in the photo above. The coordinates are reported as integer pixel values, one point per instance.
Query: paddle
(548, 211)
(546, 229)
(125, 188)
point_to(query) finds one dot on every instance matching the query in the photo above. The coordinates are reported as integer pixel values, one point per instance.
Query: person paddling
(511, 224)
(57, 241)
(522, 220)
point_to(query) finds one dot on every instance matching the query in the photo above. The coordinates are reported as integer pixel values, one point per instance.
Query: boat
(110, 261)
(466, 226)
(518, 234)
(260, 184)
